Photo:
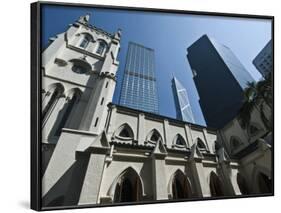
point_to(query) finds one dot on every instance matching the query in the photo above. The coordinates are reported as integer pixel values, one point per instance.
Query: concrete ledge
(81, 132)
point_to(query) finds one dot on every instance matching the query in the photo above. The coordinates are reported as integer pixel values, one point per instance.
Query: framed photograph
(140, 105)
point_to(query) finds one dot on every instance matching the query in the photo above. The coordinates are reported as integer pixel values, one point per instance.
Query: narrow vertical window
(51, 103)
(96, 123)
(84, 43)
(101, 48)
(101, 103)
(106, 85)
(69, 106)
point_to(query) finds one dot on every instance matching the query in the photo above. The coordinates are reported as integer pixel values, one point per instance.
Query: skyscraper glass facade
(139, 89)
(182, 104)
(220, 79)
(237, 69)
(264, 60)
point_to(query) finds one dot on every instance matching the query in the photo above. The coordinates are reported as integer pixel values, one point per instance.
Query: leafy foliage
(255, 96)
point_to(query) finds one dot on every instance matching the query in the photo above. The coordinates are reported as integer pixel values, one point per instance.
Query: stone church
(96, 152)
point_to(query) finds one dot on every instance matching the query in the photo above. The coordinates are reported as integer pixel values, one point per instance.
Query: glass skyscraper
(264, 60)
(220, 79)
(182, 104)
(139, 83)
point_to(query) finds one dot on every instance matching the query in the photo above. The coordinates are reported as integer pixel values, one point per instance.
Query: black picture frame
(36, 50)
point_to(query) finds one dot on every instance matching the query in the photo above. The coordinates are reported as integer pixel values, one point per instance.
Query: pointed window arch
(179, 141)
(200, 144)
(55, 93)
(128, 187)
(253, 129)
(124, 132)
(216, 187)
(71, 101)
(181, 187)
(235, 143)
(153, 136)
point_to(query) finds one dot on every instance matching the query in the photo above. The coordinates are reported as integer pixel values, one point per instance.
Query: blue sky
(169, 35)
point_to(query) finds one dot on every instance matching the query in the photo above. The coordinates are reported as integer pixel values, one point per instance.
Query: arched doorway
(242, 184)
(128, 187)
(216, 187)
(181, 187)
(264, 183)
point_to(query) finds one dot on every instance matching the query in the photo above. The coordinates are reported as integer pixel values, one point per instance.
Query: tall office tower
(264, 60)
(139, 83)
(183, 107)
(220, 79)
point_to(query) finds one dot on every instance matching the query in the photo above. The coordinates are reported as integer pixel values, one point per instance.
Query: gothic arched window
(179, 141)
(153, 137)
(200, 144)
(101, 47)
(235, 143)
(55, 94)
(253, 130)
(124, 132)
(68, 107)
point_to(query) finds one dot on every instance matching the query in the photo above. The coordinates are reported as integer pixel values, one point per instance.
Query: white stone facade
(95, 152)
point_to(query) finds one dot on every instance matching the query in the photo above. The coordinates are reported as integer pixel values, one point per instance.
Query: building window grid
(126, 76)
(143, 89)
(137, 61)
(138, 79)
(129, 81)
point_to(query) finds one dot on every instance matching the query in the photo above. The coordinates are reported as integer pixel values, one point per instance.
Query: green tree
(256, 94)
